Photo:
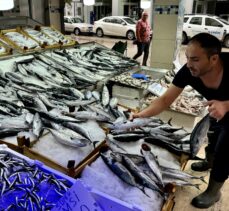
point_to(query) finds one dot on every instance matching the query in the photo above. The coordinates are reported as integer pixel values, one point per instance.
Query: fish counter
(51, 100)
(138, 87)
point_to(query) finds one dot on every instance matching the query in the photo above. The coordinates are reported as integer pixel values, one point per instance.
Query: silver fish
(67, 140)
(37, 125)
(136, 123)
(113, 102)
(105, 96)
(199, 135)
(152, 162)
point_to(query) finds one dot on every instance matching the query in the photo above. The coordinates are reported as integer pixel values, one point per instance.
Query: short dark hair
(210, 43)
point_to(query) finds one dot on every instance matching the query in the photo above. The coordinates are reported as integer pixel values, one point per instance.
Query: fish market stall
(131, 87)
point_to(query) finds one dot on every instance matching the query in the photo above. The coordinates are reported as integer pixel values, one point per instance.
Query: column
(87, 10)
(167, 32)
(117, 7)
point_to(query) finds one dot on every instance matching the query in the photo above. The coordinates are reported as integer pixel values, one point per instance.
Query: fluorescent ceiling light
(6, 4)
(145, 4)
(89, 2)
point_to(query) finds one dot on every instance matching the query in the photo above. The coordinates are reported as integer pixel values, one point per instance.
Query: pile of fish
(55, 35)
(27, 187)
(144, 170)
(137, 177)
(22, 41)
(38, 91)
(127, 79)
(93, 63)
(153, 131)
(40, 37)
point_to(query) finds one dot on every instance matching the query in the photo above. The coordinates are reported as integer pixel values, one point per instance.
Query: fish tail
(169, 121)
(143, 190)
(202, 179)
(94, 144)
(197, 186)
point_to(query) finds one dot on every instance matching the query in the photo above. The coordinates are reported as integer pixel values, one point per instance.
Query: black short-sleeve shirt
(184, 78)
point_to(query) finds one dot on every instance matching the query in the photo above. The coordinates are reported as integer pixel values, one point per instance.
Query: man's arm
(160, 104)
(138, 26)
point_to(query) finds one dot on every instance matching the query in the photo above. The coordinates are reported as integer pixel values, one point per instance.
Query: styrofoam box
(155, 73)
(127, 92)
(130, 103)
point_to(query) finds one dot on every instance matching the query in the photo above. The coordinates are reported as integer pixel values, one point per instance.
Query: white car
(194, 24)
(115, 26)
(76, 25)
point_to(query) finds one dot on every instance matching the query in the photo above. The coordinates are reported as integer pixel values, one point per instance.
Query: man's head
(202, 54)
(145, 16)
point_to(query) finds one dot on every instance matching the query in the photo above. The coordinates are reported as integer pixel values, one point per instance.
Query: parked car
(194, 24)
(115, 26)
(76, 25)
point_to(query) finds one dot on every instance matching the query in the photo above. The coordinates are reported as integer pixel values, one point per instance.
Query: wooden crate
(71, 42)
(13, 146)
(8, 51)
(57, 45)
(69, 170)
(15, 45)
(169, 203)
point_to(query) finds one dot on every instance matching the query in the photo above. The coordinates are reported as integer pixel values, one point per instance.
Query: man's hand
(134, 116)
(217, 109)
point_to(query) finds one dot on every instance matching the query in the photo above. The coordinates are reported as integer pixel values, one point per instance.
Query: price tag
(157, 89)
(77, 198)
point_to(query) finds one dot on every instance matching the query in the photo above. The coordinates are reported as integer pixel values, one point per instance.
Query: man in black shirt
(207, 71)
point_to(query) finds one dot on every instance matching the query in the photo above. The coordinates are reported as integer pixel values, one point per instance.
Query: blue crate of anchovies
(27, 184)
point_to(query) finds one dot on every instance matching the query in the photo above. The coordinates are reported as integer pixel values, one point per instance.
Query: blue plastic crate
(82, 197)
(28, 184)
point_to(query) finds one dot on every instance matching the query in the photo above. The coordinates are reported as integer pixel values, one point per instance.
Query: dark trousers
(143, 47)
(218, 144)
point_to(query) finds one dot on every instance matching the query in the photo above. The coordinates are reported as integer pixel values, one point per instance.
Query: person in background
(143, 33)
(207, 71)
